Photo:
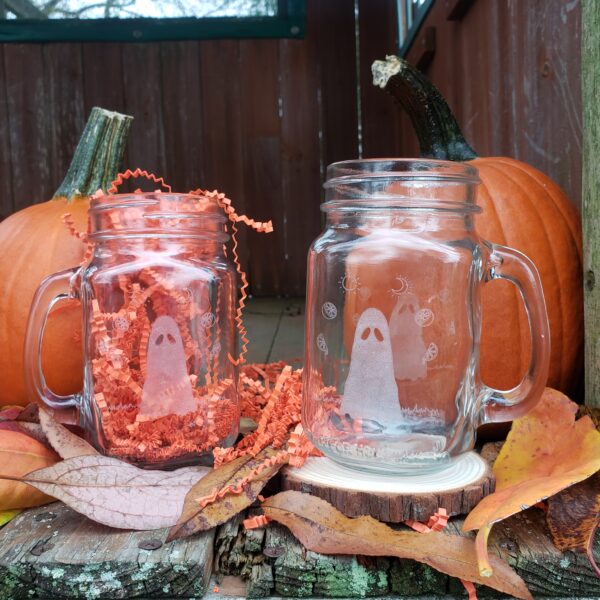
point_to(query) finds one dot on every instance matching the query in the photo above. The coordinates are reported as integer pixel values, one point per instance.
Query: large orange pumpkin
(35, 243)
(522, 208)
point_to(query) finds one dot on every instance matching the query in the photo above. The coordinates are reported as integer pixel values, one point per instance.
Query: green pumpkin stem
(98, 155)
(436, 128)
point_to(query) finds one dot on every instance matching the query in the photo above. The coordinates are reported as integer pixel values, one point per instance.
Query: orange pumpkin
(522, 208)
(35, 243)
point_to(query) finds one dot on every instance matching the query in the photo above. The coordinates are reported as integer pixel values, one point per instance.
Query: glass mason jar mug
(391, 376)
(158, 299)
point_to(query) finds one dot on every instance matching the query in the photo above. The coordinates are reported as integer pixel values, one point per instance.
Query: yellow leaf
(545, 452)
(8, 515)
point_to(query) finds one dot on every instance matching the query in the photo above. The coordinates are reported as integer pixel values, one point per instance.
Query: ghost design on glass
(370, 391)
(167, 389)
(406, 332)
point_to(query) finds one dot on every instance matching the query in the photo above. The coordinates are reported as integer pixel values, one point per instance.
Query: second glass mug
(391, 374)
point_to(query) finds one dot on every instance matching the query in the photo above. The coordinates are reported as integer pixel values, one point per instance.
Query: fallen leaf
(35, 431)
(29, 413)
(10, 413)
(115, 493)
(573, 517)
(8, 515)
(65, 442)
(194, 518)
(545, 452)
(322, 528)
(20, 454)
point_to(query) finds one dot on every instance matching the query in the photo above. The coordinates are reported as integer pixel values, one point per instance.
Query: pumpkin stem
(438, 132)
(98, 155)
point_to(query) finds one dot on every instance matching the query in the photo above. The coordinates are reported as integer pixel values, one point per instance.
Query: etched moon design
(403, 287)
(350, 283)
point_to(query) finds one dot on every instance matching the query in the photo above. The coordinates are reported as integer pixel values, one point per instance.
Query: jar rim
(421, 169)
(160, 214)
(401, 183)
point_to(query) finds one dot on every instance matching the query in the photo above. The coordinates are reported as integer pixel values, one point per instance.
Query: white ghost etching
(370, 391)
(406, 334)
(167, 389)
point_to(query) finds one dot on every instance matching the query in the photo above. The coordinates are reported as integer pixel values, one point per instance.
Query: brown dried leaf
(194, 518)
(322, 528)
(573, 517)
(65, 442)
(116, 493)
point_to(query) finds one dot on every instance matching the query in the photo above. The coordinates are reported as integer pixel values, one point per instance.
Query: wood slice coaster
(391, 498)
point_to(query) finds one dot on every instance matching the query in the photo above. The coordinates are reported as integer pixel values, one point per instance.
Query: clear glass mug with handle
(391, 375)
(158, 299)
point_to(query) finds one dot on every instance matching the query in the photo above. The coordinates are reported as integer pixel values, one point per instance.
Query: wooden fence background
(261, 119)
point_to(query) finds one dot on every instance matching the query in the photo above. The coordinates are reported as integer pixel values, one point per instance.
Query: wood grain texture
(392, 502)
(591, 198)
(181, 93)
(262, 156)
(63, 72)
(103, 83)
(300, 158)
(143, 100)
(222, 134)
(380, 117)
(524, 103)
(243, 115)
(52, 552)
(281, 567)
(6, 180)
(29, 126)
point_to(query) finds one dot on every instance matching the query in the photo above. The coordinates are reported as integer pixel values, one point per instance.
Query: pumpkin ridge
(507, 241)
(568, 316)
(570, 218)
(558, 348)
(500, 236)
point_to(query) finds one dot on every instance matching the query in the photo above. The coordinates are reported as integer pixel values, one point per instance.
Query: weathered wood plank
(28, 124)
(63, 71)
(284, 568)
(143, 100)
(6, 182)
(262, 151)
(53, 552)
(222, 134)
(181, 114)
(590, 56)
(301, 159)
(103, 83)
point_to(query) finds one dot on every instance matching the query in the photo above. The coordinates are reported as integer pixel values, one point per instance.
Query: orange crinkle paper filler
(119, 333)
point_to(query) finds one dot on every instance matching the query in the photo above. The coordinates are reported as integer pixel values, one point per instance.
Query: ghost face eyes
(161, 338)
(367, 333)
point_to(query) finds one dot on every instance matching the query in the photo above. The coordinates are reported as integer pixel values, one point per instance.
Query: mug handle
(52, 290)
(505, 405)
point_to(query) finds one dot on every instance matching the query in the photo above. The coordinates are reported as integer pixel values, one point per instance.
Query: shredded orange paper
(120, 325)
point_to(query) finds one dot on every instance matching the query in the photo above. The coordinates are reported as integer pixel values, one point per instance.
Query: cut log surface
(395, 499)
(52, 553)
